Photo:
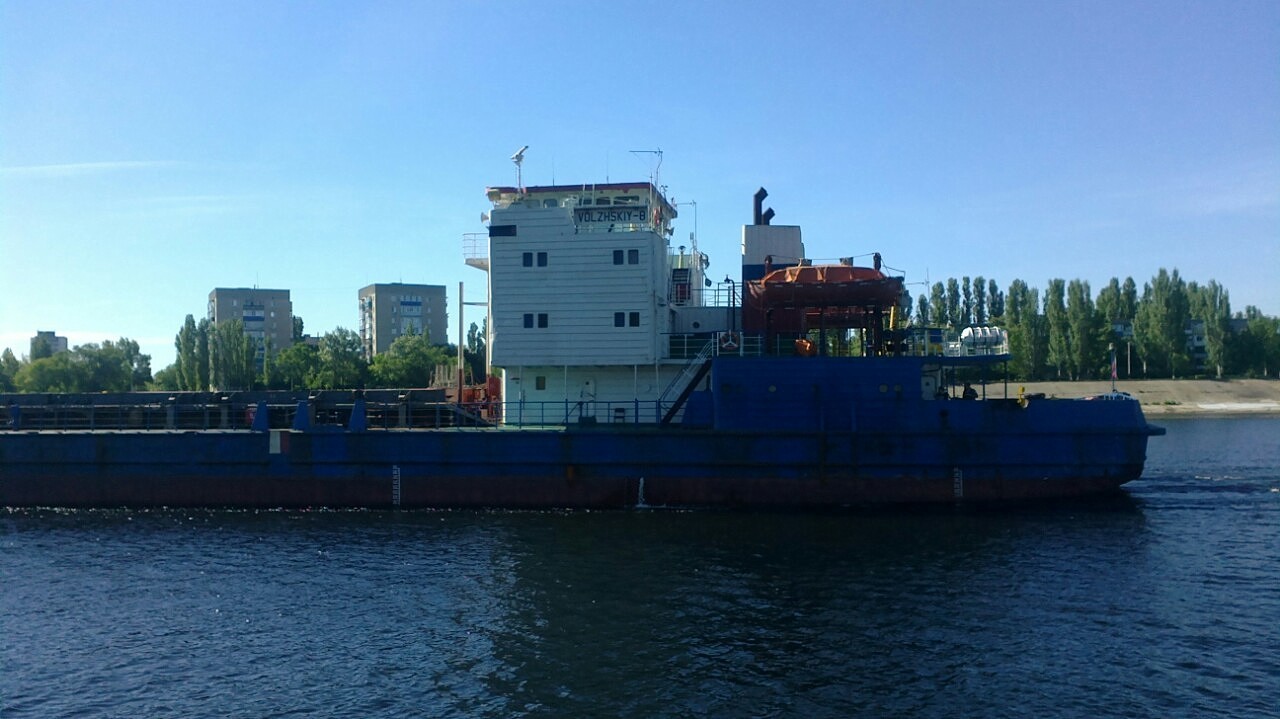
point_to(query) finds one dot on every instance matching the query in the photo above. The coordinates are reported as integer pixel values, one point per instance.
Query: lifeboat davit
(829, 286)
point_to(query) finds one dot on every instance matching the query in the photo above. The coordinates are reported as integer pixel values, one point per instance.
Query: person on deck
(969, 392)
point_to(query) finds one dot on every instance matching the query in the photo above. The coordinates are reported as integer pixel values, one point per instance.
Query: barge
(628, 379)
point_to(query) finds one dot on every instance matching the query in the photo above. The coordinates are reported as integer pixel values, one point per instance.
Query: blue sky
(151, 151)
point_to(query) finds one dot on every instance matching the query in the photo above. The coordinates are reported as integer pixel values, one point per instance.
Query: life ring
(657, 217)
(730, 341)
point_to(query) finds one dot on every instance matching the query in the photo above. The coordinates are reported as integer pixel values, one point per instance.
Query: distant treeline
(1173, 328)
(222, 357)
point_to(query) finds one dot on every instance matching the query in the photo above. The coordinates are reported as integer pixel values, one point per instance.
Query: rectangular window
(617, 257)
(619, 319)
(542, 259)
(528, 259)
(542, 320)
(528, 320)
(633, 257)
(539, 382)
(635, 319)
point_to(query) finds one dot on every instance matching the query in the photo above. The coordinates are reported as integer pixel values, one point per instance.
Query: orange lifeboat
(829, 286)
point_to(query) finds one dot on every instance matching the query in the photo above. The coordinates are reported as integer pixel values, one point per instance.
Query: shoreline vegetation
(1196, 397)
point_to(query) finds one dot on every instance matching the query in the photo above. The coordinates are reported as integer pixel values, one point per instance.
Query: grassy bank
(1181, 396)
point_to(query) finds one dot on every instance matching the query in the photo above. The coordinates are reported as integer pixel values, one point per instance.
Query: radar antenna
(518, 158)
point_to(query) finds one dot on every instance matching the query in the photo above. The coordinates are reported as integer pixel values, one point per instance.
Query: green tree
(232, 354)
(1028, 331)
(953, 303)
(1055, 314)
(922, 311)
(342, 364)
(410, 361)
(1108, 305)
(184, 363)
(995, 300)
(1159, 326)
(1129, 299)
(294, 366)
(297, 329)
(114, 366)
(9, 366)
(966, 302)
(1259, 344)
(1211, 306)
(938, 304)
(58, 373)
(167, 379)
(203, 361)
(477, 350)
(979, 300)
(1087, 330)
(108, 367)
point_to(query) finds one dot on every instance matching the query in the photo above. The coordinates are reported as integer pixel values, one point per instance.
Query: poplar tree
(953, 303)
(185, 363)
(202, 366)
(995, 300)
(979, 300)
(1055, 313)
(922, 311)
(1211, 305)
(1086, 331)
(938, 304)
(1028, 340)
(1159, 325)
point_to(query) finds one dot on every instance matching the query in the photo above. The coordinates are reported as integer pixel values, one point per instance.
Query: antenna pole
(518, 158)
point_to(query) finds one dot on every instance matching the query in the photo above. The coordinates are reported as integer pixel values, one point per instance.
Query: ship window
(634, 319)
(542, 319)
(619, 319)
(602, 200)
(627, 200)
(633, 257)
(542, 259)
(528, 319)
(550, 203)
(502, 230)
(528, 259)
(539, 382)
(617, 257)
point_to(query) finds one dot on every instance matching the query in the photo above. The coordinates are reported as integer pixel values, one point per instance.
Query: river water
(1164, 602)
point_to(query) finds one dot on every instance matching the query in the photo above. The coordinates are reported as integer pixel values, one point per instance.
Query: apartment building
(388, 311)
(267, 315)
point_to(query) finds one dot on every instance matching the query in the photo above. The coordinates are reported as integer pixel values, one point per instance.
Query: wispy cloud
(1245, 188)
(80, 169)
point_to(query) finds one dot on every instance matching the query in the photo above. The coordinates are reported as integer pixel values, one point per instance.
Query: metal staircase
(687, 379)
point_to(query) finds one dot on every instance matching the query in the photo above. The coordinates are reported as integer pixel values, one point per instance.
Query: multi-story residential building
(51, 340)
(388, 311)
(267, 315)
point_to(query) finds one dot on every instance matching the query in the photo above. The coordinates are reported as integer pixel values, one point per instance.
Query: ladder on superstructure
(692, 373)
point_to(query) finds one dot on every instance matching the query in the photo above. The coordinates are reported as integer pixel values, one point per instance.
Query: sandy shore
(1182, 396)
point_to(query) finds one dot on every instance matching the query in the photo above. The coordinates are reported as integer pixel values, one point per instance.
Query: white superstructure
(592, 312)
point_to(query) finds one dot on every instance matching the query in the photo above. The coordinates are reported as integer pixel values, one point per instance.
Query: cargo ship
(628, 379)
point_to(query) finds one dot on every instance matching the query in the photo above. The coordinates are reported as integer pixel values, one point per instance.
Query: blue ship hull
(767, 432)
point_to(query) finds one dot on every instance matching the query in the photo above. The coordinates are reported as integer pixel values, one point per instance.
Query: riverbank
(1201, 397)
